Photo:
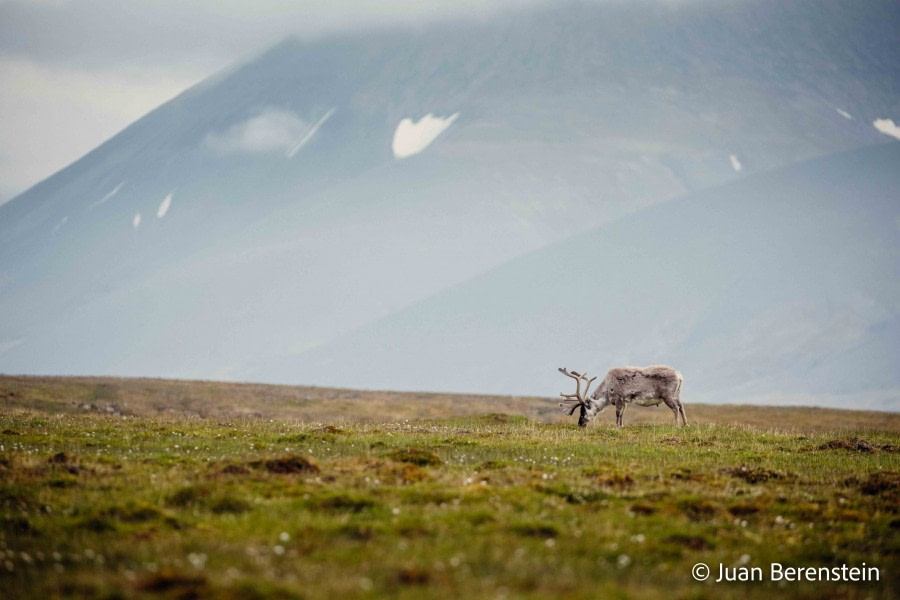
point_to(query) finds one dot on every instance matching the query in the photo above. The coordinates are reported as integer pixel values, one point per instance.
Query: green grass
(462, 507)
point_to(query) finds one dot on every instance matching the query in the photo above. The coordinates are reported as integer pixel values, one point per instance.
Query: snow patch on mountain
(844, 114)
(60, 224)
(308, 135)
(136, 221)
(114, 191)
(887, 127)
(411, 137)
(272, 130)
(164, 206)
(735, 163)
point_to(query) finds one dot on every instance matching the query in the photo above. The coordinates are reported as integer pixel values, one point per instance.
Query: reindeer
(644, 386)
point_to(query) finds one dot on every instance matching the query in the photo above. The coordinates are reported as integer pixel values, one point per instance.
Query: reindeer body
(643, 386)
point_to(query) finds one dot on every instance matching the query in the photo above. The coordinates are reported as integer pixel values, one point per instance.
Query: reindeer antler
(573, 401)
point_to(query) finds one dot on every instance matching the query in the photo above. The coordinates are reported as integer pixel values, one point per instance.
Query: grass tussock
(288, 465)
(753, 474)
(855, 444)
(421, 458)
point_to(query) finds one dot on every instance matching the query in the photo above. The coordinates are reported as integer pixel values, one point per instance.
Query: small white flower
(197, 560)
(623, 561)
(284, 536)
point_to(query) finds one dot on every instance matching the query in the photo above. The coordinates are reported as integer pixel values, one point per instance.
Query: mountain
(783, 285)
(307, 193)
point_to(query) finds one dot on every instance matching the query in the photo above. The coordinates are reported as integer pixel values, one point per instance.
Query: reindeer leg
(677, 400)
(673, 405)
(620, 411)
(615, 401)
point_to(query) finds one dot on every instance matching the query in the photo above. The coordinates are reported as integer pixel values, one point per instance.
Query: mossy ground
(496, 506)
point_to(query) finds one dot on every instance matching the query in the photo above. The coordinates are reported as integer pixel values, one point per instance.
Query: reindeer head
(579, 399)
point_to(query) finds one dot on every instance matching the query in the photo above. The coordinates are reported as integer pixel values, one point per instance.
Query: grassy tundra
(147, 488)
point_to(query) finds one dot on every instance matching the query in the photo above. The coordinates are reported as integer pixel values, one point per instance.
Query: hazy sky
(75, 72)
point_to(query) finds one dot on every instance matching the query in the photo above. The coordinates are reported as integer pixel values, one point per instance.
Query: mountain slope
(263, 212)
(782, 285)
